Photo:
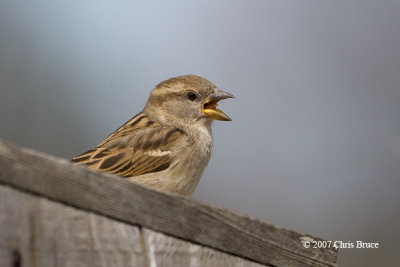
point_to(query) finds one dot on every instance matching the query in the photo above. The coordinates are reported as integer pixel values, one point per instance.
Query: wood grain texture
(176, 216)
(35, 231)
(165, 251)
(44, 233)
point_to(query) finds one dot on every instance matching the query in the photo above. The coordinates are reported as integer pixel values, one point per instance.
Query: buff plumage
(168, 144)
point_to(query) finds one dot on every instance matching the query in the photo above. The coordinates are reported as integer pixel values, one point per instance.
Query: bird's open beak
(211, 102)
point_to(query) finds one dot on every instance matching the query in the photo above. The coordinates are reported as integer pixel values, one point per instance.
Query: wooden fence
(54, 213)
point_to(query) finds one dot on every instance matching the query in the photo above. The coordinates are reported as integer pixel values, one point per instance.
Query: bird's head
(187, 98)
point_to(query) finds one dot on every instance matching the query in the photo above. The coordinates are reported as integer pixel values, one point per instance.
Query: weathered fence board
(46, 233)
(180, 217)
(168, 251)
(35, 231)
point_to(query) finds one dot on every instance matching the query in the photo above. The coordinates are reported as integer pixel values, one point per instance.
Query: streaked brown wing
(138, 147)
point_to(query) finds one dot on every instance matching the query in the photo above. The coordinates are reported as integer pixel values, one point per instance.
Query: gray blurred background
(314, 144)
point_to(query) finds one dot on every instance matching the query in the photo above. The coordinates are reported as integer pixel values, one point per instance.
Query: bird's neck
(198, 128)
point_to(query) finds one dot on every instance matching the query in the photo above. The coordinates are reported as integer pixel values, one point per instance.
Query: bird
(168, 144)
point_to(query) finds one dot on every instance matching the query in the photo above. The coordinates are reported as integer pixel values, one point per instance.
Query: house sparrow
(168, 144)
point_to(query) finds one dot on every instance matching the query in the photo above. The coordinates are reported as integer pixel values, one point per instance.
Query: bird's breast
(191, 160)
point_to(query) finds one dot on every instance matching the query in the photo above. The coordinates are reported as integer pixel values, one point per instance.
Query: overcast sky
(314, 144)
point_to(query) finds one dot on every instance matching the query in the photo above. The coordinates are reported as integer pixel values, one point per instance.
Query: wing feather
(138, 147)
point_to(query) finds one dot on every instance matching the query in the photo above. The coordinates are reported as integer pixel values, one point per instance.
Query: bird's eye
(191, 96)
